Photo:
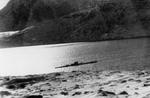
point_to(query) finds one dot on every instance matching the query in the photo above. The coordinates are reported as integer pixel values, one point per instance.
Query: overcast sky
(3, 3)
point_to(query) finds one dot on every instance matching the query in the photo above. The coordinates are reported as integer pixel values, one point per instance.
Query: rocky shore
(78, 84)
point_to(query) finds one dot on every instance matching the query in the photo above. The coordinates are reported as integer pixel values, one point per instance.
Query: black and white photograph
(74, 48)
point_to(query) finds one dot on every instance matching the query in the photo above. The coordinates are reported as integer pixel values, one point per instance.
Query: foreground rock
(33, 96)
(79, 84)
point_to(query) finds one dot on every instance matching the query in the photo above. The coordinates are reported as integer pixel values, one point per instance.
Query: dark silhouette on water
(77, 64)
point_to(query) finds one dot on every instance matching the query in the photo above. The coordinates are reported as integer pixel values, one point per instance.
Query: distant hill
(57, 21)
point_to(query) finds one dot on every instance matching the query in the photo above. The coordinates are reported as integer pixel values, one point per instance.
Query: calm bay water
(131, 54)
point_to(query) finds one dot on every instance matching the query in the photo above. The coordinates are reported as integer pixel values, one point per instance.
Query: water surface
(131, 54)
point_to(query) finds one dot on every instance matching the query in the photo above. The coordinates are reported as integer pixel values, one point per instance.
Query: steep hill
(55, 21)
(21, 13)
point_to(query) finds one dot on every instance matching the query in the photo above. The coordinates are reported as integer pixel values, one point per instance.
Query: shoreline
(65, 43)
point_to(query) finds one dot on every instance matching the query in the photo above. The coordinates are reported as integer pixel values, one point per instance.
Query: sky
(3, 3)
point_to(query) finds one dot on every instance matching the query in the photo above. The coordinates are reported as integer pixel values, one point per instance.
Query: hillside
(59, 21)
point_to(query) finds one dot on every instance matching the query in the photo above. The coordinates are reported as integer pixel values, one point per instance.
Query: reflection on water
(121, 54)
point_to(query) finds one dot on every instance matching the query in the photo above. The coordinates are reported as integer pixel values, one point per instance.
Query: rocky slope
(79, 84)
(55, 21)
